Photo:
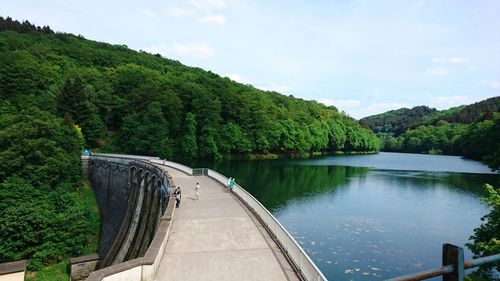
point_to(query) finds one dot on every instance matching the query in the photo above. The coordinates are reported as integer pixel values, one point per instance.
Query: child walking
(197, 189)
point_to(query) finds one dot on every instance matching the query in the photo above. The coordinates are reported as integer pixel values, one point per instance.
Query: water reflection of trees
(275, 182)
(460, 182)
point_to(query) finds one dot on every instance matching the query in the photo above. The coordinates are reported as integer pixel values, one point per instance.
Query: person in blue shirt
(231, 183)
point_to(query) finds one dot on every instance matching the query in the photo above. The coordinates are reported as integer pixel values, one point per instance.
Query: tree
(188, 145)
(38, 146)
(207, 146)
(71, 98)
(486, 238)
(147, 135)
(129, 139)
(154, 132)
(232, 140)
(54, 223)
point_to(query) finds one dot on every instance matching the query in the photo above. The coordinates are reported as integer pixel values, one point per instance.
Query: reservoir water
(369, 217)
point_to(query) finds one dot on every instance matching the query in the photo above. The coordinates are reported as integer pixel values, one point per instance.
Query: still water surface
(369, 217)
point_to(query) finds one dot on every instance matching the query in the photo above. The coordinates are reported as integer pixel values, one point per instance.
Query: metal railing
(453, 266)
(200, 172)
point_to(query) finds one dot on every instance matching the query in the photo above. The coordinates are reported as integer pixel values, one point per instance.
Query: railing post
(453, 255)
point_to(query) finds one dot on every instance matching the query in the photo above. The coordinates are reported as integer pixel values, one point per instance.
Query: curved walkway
(217, 238)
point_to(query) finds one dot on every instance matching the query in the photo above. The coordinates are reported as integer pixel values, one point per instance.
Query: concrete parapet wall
(12, 271)
(81, 267)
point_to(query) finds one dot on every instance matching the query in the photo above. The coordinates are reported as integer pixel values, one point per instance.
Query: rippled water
(369, 217)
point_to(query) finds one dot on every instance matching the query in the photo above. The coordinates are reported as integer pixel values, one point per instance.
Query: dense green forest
(134, 102)
(60, 93)
(472, 131)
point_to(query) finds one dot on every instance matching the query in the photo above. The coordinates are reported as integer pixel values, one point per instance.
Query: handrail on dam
(303, 264)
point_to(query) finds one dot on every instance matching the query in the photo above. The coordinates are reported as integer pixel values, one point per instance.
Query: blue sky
(365, 57)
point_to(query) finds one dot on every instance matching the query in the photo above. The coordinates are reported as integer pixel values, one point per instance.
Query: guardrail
(303, 264)
(453, 266)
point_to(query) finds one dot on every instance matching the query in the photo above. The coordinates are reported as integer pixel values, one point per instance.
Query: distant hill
(397, 121)
(469, 130)
(466, 114)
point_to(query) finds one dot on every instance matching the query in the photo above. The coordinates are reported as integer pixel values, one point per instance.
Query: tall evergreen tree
(189, 147)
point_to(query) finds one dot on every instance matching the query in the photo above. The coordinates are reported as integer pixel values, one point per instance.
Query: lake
(369, 217)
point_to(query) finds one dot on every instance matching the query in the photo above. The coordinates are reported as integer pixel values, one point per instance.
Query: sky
(364, 57)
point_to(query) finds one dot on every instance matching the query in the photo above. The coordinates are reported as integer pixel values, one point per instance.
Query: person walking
(231, 183)
(178, 197)
(197, 190)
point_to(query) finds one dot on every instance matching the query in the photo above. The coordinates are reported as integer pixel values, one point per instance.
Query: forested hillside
(134, 102)
(472, 130)
(397, 121)
(60, 93)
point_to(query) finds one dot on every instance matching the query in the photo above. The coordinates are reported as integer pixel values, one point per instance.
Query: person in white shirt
(197, 189)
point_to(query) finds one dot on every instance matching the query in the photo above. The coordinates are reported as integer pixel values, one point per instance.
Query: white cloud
(452, 60)
(456, 60)
(377, 108)
(197, 50)
(238, 78)
(344, 104)
(438, 60)
(436, 71)
(276, 88)
(147, 12)
(450, 101)
(358, 109)
(179, 12)
(488, 84)
(207, 5)
(214, 19)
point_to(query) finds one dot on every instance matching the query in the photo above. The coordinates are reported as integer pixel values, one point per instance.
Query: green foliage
(147, 135)
(188, 145)
(37, 146)
(107, 91)
(56, 272)
(472, 131)
(486, 238)
(53, 222)
(207, 145)
(397, 121)
(482, 142)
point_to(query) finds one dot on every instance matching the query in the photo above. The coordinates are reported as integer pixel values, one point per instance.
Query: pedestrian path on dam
(217, 238)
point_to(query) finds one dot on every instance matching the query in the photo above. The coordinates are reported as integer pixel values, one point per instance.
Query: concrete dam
(226, 234)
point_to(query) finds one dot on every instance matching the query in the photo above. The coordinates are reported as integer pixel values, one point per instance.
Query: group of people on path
(178, 192)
